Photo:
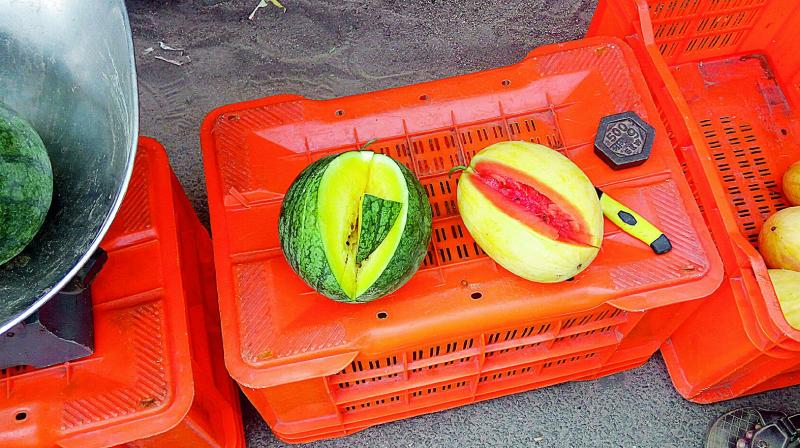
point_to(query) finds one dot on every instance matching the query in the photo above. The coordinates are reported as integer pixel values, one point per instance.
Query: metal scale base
(61, 330)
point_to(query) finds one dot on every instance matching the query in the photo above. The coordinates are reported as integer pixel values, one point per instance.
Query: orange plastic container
(726, 76)
(157, 377)
(463, 329)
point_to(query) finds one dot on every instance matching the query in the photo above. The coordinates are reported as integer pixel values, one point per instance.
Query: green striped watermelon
(26, 184)
(355, 226)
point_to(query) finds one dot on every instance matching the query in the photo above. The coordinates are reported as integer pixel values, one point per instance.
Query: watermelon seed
(382, 315)
(476, 295)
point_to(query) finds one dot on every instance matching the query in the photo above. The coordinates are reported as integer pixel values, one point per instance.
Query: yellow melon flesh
(341, 194)
(787, 288)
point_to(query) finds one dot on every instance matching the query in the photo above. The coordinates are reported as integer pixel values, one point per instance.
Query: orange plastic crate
(726, 76)
(463, 329)
(157, 377)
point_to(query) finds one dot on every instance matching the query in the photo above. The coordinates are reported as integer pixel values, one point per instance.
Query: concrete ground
(330, 48)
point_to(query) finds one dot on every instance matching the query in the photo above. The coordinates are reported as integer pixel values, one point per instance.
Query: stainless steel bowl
(68, 67)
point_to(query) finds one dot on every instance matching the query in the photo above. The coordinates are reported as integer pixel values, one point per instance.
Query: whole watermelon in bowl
(26, 184)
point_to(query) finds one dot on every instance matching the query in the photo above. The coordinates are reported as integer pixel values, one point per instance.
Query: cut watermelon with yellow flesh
(355, 226)
(531, 210)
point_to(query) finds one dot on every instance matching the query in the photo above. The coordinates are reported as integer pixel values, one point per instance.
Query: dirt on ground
(319, 49)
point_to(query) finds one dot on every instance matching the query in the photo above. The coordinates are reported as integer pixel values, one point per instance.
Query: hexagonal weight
(624, 140)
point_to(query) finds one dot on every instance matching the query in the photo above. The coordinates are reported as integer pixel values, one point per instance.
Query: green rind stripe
(413, 244)
(378, 215)
(300, 234)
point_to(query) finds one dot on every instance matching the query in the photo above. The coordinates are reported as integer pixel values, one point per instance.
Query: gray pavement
(330, 48)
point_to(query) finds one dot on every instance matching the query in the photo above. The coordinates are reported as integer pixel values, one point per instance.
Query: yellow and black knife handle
(633, 224)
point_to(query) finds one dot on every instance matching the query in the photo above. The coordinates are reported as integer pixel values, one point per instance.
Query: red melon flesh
(532, 203)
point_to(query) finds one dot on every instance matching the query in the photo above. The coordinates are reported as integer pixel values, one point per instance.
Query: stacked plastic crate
(157, 377)
(726, 78)
(463, 329)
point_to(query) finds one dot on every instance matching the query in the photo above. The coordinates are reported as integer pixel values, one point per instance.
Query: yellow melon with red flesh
(531, 210)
